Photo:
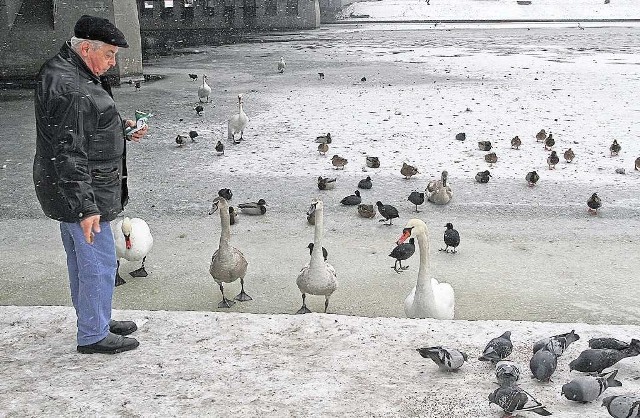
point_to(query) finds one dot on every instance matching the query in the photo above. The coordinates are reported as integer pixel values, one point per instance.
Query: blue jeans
(92, 270)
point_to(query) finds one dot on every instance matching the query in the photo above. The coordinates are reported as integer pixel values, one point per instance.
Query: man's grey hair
(75, 43)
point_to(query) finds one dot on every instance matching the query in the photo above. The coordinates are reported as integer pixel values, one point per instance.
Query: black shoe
(111, 344)
(122, 327)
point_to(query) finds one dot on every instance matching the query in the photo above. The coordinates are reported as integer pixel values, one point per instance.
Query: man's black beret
(99, 29)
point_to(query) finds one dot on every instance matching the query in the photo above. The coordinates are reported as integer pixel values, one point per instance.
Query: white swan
(237, 123)
(281, 65)
(318, 277)
(133, 241)
(204, 90)
(429, 298)
(438, 191)
(227, 264)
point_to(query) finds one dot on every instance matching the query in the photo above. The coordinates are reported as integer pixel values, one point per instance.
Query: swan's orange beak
(406, 233)
(127, 242)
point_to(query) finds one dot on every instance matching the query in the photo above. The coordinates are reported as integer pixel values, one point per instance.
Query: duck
(365, 183)
(491, 158)
(339, 162)
(594, 203)
(281, 65)
(484, 145)
(133, 241)
(204, 91)
(549, 142)
(637, 164)
(372, 162)
(552, 160)
(615, 148)
(324, 139)
(237, 123)
(541, 135)
(483, 176)
(317, 277)
(233, 215)
(220, 148)
(429, 298)
(226, 193)
(516, 142)
(253, 208)
(311, 216)
(401, 252)
(193, 135)
(352, 200)
(326, 183)
(325, 253)
(532, 178)
(181, 140)
(451, 239)
(442, 194)
(323, 148)
(366, 210)
(569, 155)
(408, 171)
(228, 264)
(388, 212)
(417, 198)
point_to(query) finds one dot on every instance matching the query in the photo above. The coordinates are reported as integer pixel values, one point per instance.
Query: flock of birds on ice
(429, 298)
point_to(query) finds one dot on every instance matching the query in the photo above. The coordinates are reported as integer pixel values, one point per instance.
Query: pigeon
(484, 145)
(507, 373)
(417, 198)
(447, 359)
(541, 136)
(552, 160)
(326, 183)
(622, 406)
(491, 158)
(402, 252)
(199, 109)
(594, 203)
(281, 65)
(604, 342)
(598, 359)
(532, 178)
(363, 79)
(323, 148)
(461, 136)
(136, 85)
(365, 183)
(615, 148)
(193, 135)
(339, 162)
(558, 343)
(549, 142)
(388, 212)
(324, 139)
(353, 199)
(569, 155)
(372, 162)
(220, 148)
(408, 170)
(325, 254)
(226, 193)
(515, 399)
(483, 176)
(451, 238)
(321, 76)
(366, 211)
(193, 77)
(498, 348)
(588, 388)
(543, 364)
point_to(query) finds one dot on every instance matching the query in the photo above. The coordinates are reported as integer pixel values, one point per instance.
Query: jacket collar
(69, 54)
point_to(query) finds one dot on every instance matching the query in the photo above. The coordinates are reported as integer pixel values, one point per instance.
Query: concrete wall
(34, 30)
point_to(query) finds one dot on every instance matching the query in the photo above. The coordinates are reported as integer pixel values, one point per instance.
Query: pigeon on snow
(498, 348)
(588, 388)
(448, 359)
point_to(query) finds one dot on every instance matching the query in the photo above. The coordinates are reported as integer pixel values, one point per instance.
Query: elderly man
(79, 173)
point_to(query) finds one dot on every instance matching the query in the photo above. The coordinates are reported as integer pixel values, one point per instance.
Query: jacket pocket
(107, 190)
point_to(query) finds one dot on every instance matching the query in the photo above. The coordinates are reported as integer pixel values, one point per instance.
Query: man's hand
(89, 225)
(137, 136)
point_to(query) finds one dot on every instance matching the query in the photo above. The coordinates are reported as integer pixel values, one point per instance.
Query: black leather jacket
(79, 167)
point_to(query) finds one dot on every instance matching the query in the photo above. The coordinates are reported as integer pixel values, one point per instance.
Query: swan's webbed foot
(141, 272)
(226, 303)
(303, 310)
(119, 279)
(243, 297)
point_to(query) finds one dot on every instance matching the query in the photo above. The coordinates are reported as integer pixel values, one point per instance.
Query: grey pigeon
(507, 373)
(622, 406)
(498, 348)
(588, 388)
(598, 359)
(515, 399)
(605, 342)
(543, 364)
(448, 359)
(557, 344)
